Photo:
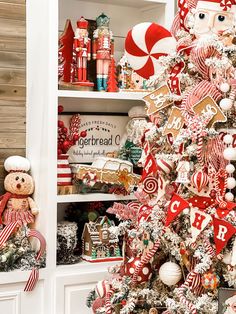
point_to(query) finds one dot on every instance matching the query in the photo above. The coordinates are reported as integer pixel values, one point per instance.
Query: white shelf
(93, 197)
(102, 95)
(20, 276)
(84, 267)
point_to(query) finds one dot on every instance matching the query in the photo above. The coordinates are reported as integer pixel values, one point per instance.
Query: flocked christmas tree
(179, 237)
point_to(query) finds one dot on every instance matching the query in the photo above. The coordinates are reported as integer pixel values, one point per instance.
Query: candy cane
(200, 151)
(108, 301)
(34, 276)
(145, 260)
(221, 192)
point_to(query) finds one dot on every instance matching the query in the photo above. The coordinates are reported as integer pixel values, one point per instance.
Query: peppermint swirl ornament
(150, 185)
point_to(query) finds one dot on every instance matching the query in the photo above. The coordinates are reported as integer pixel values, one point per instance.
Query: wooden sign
(104, 134)
(208, 105)
(156, 100)
(174, 123)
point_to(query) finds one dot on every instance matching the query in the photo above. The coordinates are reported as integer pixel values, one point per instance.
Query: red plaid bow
(226, 4)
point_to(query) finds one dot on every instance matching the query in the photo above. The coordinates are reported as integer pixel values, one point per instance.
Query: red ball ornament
(145, 272)
(60, 109)
(75, 137)
(60, 124)
(83, 133)
(66, 145)
(210, 281)
(65, 130)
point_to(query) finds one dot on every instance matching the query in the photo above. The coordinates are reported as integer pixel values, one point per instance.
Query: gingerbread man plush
(16, 204)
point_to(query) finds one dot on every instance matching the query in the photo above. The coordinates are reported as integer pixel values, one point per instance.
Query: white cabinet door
(13, 299)
(72, 291)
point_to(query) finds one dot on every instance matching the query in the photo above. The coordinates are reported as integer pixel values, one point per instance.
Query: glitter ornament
(229, 197)
(226, 104)
(228, 139)
(170, 273)
(145, 272)
(230, 168)
(231, 183)
(225, 87)
(210, 281)
(229, 153)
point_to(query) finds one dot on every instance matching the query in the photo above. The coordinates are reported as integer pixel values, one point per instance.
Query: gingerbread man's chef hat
(17, 163)
(217, 5)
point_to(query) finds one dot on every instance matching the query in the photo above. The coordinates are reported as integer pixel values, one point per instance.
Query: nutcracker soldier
(103, 50)
(82, 48)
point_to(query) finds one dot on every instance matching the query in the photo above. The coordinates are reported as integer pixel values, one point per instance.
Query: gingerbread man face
(19, 183)
(212, 17)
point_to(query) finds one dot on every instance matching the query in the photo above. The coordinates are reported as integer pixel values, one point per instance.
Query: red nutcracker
(103, 50)
(82, 48)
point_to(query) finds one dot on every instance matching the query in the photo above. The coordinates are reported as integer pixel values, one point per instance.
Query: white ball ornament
(228, 139)
(229, 153)
(170, 273)
(225, 87)
(229, 197)
(226, 104)
(231, 183)
(230, 168)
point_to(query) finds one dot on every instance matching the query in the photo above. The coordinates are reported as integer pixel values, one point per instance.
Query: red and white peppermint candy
(150, 185)
(226, 4)
(165, 165)
(145, 44)
(200, 180)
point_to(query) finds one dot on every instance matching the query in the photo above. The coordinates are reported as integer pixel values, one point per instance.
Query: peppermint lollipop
(145, 44)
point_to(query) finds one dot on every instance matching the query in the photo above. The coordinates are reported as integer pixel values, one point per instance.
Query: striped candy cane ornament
(34, 276)
(108, 305)
(145, 260)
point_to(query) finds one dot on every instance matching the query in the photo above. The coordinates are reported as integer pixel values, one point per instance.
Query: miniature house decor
(98, 244)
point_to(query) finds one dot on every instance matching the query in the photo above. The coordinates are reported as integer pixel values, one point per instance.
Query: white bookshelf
(63, 289)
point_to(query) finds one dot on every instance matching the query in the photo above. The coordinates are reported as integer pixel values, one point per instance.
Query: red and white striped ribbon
(108, 305)
(198, 92)
(181, 292)
(198, 57)
(209, 248)
(6, 232)
(145, 260)
(34, 276)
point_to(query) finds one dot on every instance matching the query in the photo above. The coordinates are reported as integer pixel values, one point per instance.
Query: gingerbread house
(98, 244)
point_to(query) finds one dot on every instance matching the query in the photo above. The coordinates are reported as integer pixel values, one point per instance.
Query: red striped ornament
(200, 180)
(165, 165)
(64, 175)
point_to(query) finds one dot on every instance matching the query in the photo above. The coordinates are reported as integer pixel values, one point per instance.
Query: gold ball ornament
(170, 273)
